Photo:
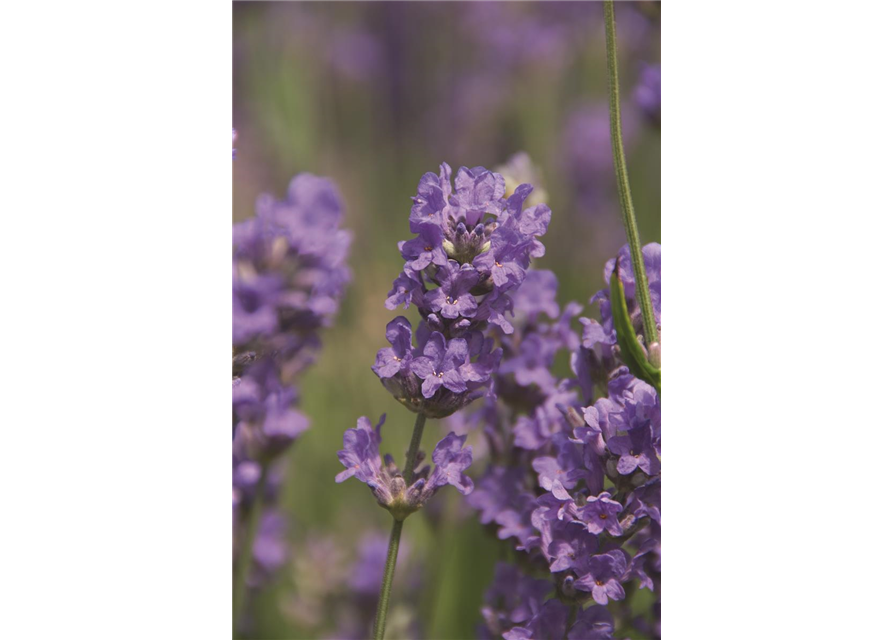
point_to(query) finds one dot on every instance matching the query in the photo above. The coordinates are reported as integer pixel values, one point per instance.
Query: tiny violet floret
(603, 576)
(600, 514)
(361, 459)
(636, 451)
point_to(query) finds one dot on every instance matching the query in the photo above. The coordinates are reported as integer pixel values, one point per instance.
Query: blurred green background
(373, 95)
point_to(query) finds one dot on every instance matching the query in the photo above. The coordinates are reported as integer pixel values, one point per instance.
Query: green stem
(246, 552)
(413, 450)
(626, 198)
(384, 597)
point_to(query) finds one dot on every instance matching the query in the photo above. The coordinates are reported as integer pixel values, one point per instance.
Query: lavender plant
(580, 491)
(289, 275)
(575, 488)
(471, 252)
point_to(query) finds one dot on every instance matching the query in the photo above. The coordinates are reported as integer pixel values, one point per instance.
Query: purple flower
(600, 514)
(425, 249)
(651, 258)
(593, 623)
(645, 500)
(453, 298)
(603, 576)
(493, 308)
(450, 460)
(390, 361)
(255, 301)
(407, 290)
(558, 474)
(598, 417)
(504, 262)
(640, 561)
(549, 621)
(636, 451)
(360, 455)
(533, 363)
(533, 431)
(537, 295)
(478, 192)
(431, 199)
(566, 544)
(266, 421)
(587, 140)
(503, 498)
(639, 404)
(439, 366)
(648, 91)
(594, 336)
(270, 548)
(512, 599)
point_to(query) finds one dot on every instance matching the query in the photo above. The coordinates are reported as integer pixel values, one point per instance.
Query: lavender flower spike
(361, 459)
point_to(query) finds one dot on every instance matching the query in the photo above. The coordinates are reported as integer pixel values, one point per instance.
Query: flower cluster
(472, 250)
(574, 481)
(289, 274)
(402, 496)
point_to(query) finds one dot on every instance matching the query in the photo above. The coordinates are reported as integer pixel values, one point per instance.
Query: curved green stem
(246, 552)
(626, 199)
(384, 597)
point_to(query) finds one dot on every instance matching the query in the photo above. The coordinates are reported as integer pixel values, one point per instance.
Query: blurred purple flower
(355, 54)
(648, 91)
